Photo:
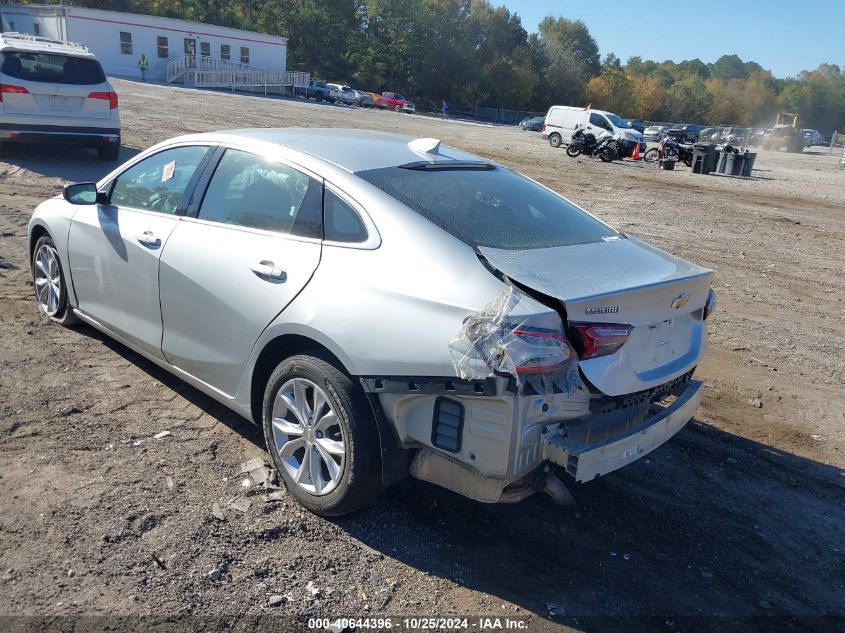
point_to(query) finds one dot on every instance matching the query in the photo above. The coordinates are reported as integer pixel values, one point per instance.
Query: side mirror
(83, 193)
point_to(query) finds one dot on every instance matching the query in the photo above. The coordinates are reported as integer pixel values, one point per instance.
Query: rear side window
(252, 191)
(490, 207)
(51, 68)
(158, 183)
(342, 223)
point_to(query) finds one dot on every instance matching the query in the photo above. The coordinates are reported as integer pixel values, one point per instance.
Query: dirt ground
(737, 523)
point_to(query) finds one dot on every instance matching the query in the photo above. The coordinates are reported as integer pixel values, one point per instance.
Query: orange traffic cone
(635, 155)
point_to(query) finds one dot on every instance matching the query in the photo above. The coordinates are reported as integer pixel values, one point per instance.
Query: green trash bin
(749, 164)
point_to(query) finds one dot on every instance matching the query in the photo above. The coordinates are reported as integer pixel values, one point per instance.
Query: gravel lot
(738, 523)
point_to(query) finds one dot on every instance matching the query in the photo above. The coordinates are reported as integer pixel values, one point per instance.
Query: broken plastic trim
(429, 385)
(515, 335)
(422, 165)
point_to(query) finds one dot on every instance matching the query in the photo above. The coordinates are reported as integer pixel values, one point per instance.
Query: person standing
(143, 66)
(445, 109)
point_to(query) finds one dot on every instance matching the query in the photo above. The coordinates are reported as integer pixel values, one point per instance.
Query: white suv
(56, 92)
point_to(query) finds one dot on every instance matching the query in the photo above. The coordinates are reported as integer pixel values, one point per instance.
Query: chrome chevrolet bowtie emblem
(680, 301)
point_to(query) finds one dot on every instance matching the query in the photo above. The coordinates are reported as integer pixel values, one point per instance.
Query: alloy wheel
(48, 280)
(308, 436)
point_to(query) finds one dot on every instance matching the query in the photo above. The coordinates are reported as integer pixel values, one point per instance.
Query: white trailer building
(176, 50)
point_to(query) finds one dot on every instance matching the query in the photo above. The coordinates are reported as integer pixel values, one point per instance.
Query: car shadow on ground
(711, 531)
(74, 164)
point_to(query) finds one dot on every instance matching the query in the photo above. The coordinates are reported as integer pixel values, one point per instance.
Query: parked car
(347, 94)
(533, 124)
(56, 92)
(318, 90)
(562, 121)
(378, 101)
(684, 132)
(636, 124)
(654, 133)
(363, 99)
(812, 137)
(397, 102)
(534, 334)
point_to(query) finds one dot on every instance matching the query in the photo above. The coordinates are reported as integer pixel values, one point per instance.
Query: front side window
(36, 28)
(251, 191)
(205, 49)
(163, 47)
(492, 207)
(224, 51)
(125, 43)
(599, 121)
(158, 183)
(244, 55)
(341, 222)
(52, 68)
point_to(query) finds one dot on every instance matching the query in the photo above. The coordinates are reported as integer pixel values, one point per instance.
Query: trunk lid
(622, 280)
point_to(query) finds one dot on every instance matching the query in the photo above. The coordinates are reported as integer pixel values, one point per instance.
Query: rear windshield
(51, 68)
(490, 207)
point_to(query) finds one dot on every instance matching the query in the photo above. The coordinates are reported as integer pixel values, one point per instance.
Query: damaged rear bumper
(585, 462)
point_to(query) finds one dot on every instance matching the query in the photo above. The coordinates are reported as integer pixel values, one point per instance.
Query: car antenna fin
(425, 146)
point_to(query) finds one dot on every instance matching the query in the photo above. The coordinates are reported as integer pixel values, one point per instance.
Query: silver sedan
(383, 305)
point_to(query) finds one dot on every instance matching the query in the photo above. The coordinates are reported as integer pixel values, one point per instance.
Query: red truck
(397, 102)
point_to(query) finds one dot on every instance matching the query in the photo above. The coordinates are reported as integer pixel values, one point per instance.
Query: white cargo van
(562, 121)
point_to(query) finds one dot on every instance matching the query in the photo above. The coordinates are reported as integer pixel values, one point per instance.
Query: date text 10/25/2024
(482, 623)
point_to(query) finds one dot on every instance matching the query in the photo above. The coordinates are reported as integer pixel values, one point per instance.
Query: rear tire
(48, 281)
(109, 153)
(397, 108)
(314, 411)
(555, 140)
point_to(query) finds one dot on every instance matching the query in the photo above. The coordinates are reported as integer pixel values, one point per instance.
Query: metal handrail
(211, 72)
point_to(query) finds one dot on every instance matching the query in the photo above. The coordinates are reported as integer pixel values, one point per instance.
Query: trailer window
(244, 55)
(163, 48)
(125, 43)
(224, 51)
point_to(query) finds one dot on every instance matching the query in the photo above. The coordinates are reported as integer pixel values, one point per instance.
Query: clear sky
(784, 36)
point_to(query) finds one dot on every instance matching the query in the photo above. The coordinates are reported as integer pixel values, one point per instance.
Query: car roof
(350, 149)
(24, 43)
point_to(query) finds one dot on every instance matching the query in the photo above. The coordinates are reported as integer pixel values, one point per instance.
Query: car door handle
(266, 268)
(149, 239)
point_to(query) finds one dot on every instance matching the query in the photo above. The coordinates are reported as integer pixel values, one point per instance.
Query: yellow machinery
(786, 132)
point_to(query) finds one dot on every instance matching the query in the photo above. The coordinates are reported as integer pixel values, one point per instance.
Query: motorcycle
(583, 142)
(670, 149)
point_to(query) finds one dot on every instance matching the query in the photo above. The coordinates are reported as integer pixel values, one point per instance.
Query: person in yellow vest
(143, 66)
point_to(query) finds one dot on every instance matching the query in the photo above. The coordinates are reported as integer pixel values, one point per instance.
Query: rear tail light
(710, 306)
(538, 350)
(10, 89)
(544, 127)
(593, 340)
(111, 97)
(518, 336)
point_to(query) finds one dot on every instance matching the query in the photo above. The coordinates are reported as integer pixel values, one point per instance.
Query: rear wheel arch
(395, 460)
(272, 354)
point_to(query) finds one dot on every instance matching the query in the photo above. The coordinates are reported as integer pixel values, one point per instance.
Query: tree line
(470, 52)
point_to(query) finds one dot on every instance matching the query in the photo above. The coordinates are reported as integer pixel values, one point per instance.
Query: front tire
(573, 150)
(48, 279)
(321, 435)
(651, 155)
